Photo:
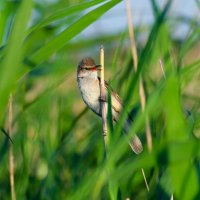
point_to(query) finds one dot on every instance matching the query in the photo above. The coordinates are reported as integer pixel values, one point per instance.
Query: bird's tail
(134, 142)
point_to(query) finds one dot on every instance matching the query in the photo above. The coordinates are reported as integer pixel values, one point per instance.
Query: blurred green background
(57, 142)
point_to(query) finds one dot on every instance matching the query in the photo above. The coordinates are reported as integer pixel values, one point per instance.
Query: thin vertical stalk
(11, 155)
(141, 86)
(102, 97)
(113, 187)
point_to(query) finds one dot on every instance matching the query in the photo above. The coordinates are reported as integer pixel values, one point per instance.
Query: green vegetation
(57, 142)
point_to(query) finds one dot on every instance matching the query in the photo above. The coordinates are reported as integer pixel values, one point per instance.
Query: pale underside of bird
(89, 86)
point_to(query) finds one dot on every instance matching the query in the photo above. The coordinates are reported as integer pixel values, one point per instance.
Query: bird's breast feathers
(90, 93)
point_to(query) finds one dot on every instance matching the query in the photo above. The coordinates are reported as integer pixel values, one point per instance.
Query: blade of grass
(141, 85)
(177, 130)
(59, 14)
(61, 40)
(143, 60)
(6, 134)
(13, 53)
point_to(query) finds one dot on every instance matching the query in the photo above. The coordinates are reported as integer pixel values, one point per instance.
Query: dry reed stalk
(102, 97)
(145, 180)
(11, 155)
(141, 86)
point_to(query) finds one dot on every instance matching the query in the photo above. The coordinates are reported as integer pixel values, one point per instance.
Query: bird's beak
(98, 67)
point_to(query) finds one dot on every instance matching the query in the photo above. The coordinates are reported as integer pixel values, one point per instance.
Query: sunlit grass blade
(60, 14)
(13, 54)
(61, 40)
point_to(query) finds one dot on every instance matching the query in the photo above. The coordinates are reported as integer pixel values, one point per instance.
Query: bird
(89, 86)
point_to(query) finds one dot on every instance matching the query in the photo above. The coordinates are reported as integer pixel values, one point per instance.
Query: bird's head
(87, 68)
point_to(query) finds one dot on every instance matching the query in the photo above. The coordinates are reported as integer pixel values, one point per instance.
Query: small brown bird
(89, 86)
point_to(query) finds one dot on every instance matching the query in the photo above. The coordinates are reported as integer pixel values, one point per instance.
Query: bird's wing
(115, 99)
(116, 102)
(117, 105)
